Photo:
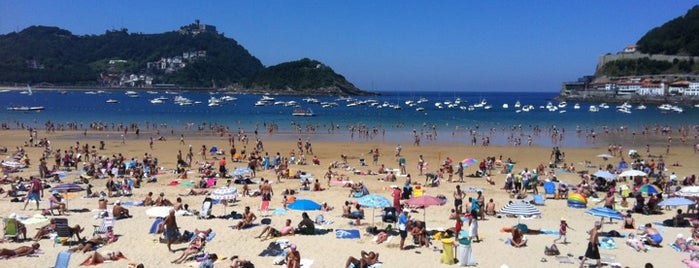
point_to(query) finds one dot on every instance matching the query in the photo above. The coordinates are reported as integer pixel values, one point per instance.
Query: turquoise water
(453, 125)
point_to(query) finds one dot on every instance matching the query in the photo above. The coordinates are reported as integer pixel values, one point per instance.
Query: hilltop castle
(197, 28)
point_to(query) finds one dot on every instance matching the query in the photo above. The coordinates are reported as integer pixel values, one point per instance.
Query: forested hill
(303, 76)
(195, 56)
(679, 36)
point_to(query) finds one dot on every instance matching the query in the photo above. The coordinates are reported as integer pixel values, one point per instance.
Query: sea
(458, 124)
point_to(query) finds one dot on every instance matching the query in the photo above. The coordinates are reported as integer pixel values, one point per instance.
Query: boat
(518, 104)
(302, 112)
(562, 104)
(266, 98)
(131, 92)
(28, 91)
(641, 107)
(25, 108)
(624, 109)
(505, 106)
(260, 103)
(4, 91)
(112, 101)
(420, 109)
(576, 106)
(422, 100)
(593, 109)
(156, 101)
(152, 92)
(228, 98)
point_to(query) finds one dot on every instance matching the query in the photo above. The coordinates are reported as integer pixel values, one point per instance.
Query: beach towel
(564, 259)
(607, 243)
(37, 218)
(347, 234)
(187, 184)
(62, 260)
(375, 265)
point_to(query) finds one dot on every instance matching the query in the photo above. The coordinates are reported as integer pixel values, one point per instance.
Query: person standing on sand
(403, 226)
(171, 229)
(420, 164)
(458, 199)
(592, 251)
(36, 192)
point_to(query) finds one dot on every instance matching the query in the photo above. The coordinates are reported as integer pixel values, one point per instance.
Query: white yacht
(593, 109)
(112, 101)
(505, 106)
(518, 104)
(576, 106)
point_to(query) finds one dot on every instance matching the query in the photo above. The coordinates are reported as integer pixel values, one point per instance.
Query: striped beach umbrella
(520, 209)
(605, 212)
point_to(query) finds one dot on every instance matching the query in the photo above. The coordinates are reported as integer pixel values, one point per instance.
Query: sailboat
(28, 91)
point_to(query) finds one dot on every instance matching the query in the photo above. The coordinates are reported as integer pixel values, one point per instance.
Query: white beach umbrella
(632, 173)
(689, 191)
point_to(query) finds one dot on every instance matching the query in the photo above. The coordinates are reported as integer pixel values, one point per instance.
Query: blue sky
(390, 45)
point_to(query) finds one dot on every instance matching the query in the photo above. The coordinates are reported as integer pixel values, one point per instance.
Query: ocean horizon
(502, 126)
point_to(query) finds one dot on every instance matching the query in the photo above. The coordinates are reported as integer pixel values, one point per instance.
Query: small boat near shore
(25, 108)
(112, 101)
(302, 112)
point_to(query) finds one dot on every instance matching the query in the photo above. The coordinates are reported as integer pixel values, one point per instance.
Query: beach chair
(62, 260)
(102, 228)
(63, 232)
(11, 229)
(205, 212)
(550, 189)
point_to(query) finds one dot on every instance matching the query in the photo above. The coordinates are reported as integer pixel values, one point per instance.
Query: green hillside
(194, 56)
(679, 36)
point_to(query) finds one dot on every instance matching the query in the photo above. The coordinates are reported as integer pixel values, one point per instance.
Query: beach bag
(552, 251)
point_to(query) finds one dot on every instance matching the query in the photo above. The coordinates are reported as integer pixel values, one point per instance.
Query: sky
(451, 46)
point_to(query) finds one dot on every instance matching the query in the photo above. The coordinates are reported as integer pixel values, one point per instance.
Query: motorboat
(112, 101)
(302, 112)
(156, 101)
(576, 106)
(505, 106)
(25, 108)
(593, 109)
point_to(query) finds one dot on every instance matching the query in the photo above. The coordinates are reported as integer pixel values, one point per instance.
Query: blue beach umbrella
(304, 204)
(67, 187)
(241, 171)
(604, 174)
(605, 212)
(676, 201)
(374, 201)
(520, 209)
(224, 193)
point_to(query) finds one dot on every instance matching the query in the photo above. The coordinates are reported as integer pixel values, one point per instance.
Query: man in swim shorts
(654, 237)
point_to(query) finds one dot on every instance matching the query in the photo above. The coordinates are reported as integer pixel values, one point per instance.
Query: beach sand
(326, 250)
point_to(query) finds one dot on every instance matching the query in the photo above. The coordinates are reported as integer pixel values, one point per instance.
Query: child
(562, 230)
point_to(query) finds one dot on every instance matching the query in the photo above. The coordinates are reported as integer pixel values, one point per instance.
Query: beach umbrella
(67, 187)
(676, 201)
(604, 156)
(224, 193)
(689, 191)
(604, 174)
(605, 212)
(632, 173)
(469, 161)
(374, 201)
(158, 212)
(60, 174)
(13, 164)
(471, 189)
(649, 189)
(241, 171)
(304, 204)
(522, 209)
(425, 201)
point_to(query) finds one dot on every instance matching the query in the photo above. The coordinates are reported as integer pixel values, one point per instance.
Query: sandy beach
(326, 250)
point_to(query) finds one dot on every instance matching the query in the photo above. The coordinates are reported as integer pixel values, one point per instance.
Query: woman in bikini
(197, 245)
